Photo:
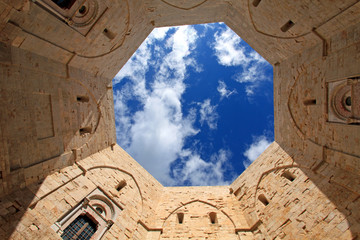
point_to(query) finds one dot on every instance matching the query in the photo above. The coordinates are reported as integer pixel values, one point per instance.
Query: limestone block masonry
(57, 130)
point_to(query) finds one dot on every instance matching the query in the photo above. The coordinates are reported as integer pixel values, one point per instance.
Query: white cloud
(256, 148)
(155, 134)
(228, 49)
(199, 172)
(159, 33)
(208, 114)
(224, 92)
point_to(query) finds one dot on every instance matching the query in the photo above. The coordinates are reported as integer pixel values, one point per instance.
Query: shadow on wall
(50, 118)
(291, 194)
(47, 208)
(332, 201)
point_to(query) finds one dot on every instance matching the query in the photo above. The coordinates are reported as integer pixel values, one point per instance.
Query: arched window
(81, 228)
(344, 104)
(89, 219)
(263, 199)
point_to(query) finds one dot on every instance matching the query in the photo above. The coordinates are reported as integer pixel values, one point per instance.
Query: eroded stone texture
(57, 128)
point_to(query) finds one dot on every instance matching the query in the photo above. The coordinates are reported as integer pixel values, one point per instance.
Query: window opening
(288, 175)
(213, 218)
(310, 102)
(236, 193)
(109, 34)
(65, 4)
(287, 26)
(82, 98)
(82, 10)
(180, 217)
(348, 101)
(263, 199)
(85, 130)
(99, 210)
(82, 228)
(121, 185)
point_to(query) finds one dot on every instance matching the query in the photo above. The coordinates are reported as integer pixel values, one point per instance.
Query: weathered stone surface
(57, 128)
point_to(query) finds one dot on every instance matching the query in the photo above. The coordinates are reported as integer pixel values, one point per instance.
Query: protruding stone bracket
(251, 229)
(150, 229)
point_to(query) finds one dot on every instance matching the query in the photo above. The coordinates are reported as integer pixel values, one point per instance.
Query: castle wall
(284, 200)
(197, 203)
(31, 212)
(49, 119)
(57, 134)
(315, 145)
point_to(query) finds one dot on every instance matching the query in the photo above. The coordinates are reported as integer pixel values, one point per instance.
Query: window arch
(263, 199)
(344, 101)
(89, 219)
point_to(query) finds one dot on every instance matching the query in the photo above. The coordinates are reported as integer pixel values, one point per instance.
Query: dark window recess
(13, 209)
(288, 175)
(99, 210)
(82, 228)
(82, 98)
(287, 26)
(213, 218)
(82, 10)
(309, 102)
(85, 130)
(65, 4)
(263, 199)
(121, 185)
(109, 34)
(180, 217)
(0, 174)
(256, 3)
(236, 193)
(348, 101)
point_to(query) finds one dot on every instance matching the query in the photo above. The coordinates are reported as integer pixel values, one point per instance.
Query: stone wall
(30, 212)
(286, 200)
(57, 134)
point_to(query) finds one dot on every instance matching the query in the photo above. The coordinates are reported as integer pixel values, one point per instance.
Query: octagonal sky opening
(194, 105)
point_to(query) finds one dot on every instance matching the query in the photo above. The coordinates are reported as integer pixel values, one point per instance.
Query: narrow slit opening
(308, 102)
(180, 217)
(236, 193)
(121, 185)
(287, 26)
(213, 218)
(82, 98)
(109, 34)
(288, 175)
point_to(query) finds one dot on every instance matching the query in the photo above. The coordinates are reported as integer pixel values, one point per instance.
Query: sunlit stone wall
(57, 135)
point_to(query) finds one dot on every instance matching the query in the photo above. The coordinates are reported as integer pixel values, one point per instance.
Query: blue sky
(194, 105)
